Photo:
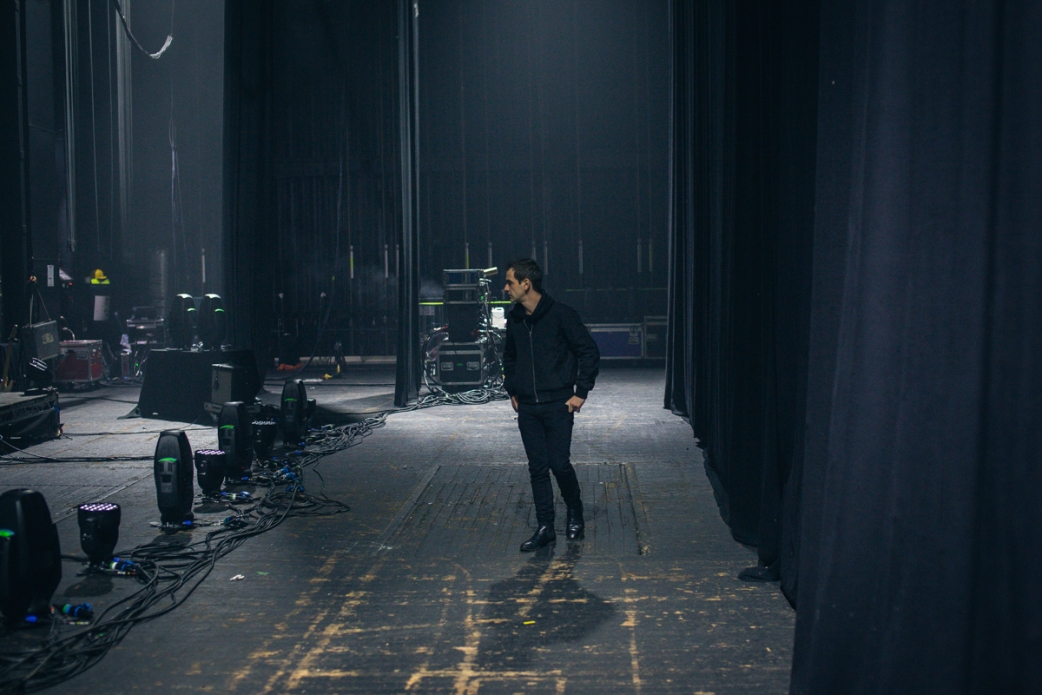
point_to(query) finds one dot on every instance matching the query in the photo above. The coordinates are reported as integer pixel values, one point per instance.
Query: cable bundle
(472, 397)
(30, 457)
(170, 573)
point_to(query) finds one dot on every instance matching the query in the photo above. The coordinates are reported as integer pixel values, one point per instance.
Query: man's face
(514, 289)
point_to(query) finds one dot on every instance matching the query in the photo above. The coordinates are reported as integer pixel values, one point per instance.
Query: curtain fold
(855, 308)
(248, 177)
(924, 422)
(742, 195)
(312, 187)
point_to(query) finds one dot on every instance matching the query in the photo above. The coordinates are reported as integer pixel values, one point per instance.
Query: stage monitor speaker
(230, 383)
(235, 438)
(41, 340)
(179, 382)
(173, 475)
(30, 555)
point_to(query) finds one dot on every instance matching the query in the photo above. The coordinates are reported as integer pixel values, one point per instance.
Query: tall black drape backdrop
(313, 185)
(854, 320)
(15, 246)
(544, 134)
(743, 129)
(920, 505)
(536, 125)
(110, 158)
(248, 181)
(174, 196)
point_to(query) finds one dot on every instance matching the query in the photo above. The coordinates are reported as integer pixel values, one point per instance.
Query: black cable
(73, 435)
(130, 35)
(330, 382)
(170, 574)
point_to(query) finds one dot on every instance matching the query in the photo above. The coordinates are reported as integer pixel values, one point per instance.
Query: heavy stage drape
(855, 322)
(320, 180)
(744, 107)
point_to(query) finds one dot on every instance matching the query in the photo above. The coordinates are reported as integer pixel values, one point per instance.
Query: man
(549, 365)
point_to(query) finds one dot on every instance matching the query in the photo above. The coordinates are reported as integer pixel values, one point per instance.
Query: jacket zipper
(531, 350)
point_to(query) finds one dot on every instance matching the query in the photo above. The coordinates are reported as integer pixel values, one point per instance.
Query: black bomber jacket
(550, 355)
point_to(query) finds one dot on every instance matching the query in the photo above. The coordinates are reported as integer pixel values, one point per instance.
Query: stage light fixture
(264, 432)
(99, 530)
(210, 466)
(297, 410)
(235, 437)
(30, 555)
(173, 475)
(180, 321)
(212, 321)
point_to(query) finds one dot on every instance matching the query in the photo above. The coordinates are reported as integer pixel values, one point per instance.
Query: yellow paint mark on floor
(306, 664)
(631, 622)
(467, 677)
(325, 673)
(265, 654)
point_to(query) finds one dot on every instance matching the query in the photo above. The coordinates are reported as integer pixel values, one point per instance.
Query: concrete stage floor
(420, 588)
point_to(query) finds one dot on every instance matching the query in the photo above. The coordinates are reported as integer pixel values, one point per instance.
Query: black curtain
(743, 129)
(313, 186)
(855, 308)
(15, 241)
(924, 417)
(248, 181)
(545, 136)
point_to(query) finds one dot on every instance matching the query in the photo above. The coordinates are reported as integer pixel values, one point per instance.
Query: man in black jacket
(549, 365)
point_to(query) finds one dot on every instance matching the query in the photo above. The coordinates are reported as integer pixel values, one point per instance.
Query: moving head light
(30, 555)
(235, 438)
(212, 321)
(99, 530)
(180, 321)
(297, 410)
(210, 465)
(264, 432)
(173, 475)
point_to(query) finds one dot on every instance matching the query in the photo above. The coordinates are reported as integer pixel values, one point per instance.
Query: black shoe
(543, 536)
(576, 527)
(761, 573)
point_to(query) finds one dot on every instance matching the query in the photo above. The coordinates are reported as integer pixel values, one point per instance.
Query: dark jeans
(546, 430)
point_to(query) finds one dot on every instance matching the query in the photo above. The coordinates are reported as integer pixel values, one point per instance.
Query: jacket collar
(545, 302)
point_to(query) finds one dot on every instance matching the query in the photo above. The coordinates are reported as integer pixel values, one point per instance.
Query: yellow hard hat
(99, 275)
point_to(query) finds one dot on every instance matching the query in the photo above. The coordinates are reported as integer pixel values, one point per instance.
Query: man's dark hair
(527, 269)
